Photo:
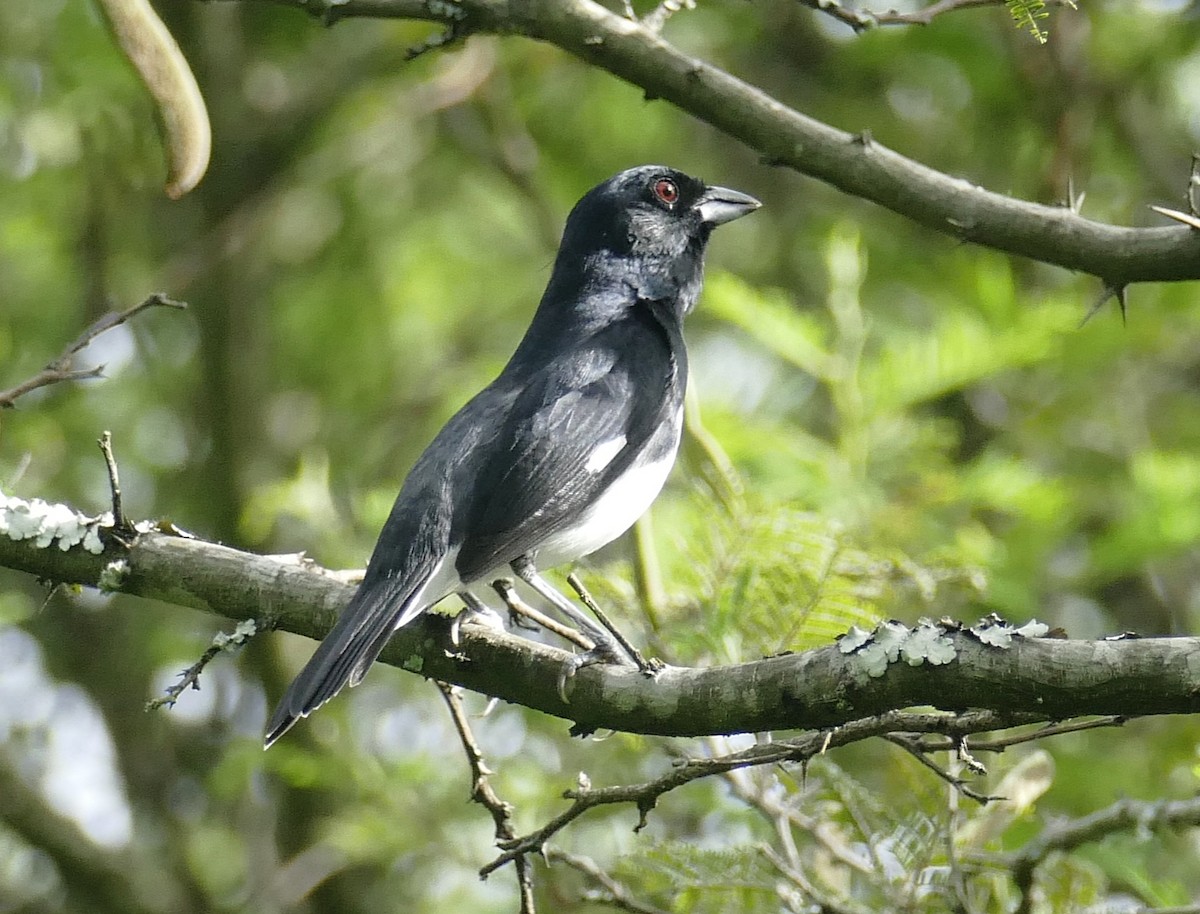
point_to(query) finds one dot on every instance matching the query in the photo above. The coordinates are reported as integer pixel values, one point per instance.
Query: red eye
(666, 191)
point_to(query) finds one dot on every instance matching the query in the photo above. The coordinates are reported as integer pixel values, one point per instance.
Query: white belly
(624, 502)
(627, 499)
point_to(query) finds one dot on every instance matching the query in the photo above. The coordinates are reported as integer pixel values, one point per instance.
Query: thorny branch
(1123, 815)
(787, 138)
(611, 891)
(483, 793)
(800, 749)
(221, 643)
(63, 367)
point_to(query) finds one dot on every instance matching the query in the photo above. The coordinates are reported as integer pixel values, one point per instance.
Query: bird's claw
(650, 668)
(480, 616)
(604, 652)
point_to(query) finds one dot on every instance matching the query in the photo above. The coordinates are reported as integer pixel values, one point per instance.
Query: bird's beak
(718, 205)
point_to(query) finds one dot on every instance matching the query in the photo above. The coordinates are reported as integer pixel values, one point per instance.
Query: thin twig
(916, 750)
(860, 20)
(823, 901)
(61, 368)
(191, 676)
(1000, 743)
(612, 892)
(800, 749)
(484, 794)
(785, 815)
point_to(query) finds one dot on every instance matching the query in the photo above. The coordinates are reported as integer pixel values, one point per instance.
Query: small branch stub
(121, 526)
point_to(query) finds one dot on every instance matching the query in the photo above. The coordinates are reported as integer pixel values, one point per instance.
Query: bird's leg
(604, 642)
(475, 610)
(522, 615)
(650, 667)
(606, 650)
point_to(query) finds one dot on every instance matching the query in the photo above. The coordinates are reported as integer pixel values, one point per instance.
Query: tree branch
(803, 748)
(61, 368)
(860, 20)
(1047, 679)
(853, 163)
(96, 879)
(483, 793)
(1122, 815)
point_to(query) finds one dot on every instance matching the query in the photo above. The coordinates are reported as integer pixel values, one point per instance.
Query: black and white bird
(566, 448)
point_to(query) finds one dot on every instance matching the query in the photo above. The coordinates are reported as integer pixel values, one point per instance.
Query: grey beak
(718, 205)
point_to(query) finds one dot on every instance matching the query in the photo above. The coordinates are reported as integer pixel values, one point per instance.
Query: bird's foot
(576, 662)
(651, 667)
(606, 651)
(478, 613)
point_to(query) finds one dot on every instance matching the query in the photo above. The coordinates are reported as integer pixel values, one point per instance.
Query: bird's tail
(377, 609)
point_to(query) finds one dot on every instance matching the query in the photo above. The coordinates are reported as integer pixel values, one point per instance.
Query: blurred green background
(901, 426)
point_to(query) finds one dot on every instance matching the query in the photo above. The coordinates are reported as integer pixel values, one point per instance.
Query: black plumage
(567, 447)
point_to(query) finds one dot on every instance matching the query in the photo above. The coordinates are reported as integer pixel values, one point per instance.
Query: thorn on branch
(863, 139)
(1189, 219)
(191, 676)
(1110, 290)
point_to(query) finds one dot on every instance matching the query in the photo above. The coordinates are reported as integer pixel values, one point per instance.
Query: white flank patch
(623, 503)
(604, 454)
(443, 580)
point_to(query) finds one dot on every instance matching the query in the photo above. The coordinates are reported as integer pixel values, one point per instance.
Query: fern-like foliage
(1026, 14)
(767, 578)
(703, 880)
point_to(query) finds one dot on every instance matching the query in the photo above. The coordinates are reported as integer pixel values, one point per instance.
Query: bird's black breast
(623, 380)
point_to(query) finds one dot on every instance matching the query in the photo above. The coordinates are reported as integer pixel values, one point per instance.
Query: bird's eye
(666, 191)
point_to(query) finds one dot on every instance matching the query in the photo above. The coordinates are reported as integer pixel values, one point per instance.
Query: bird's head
(651, 211)
(645, 228)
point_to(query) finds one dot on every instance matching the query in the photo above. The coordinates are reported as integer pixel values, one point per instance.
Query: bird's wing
(578, 424)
